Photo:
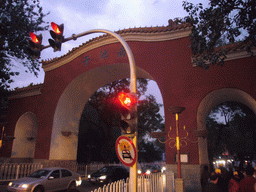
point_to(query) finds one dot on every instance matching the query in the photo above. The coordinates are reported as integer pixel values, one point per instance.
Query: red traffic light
(34, 38)
(56, 28)
(57, 36)
(127, 100)
(35, 45)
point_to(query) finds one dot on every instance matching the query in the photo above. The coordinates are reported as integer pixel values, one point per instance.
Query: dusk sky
(82, 15)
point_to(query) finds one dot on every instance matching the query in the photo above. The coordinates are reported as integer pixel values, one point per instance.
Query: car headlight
(10, 184)
(79, 182)
(89, 176)
(103, 177)
(139, 171)
(24, 186)
(148, 172)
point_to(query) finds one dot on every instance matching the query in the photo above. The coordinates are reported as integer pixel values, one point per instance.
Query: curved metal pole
(133, 87)
(133, 82)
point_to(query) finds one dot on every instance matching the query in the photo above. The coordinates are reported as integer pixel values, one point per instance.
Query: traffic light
(57, 35)
(128, 111)
(35, 45)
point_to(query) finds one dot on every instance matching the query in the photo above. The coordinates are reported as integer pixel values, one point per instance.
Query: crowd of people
(222, 180)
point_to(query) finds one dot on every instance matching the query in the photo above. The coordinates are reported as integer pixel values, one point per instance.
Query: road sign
(126, 151)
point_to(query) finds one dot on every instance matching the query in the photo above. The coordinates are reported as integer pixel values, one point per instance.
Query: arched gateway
(162, 54)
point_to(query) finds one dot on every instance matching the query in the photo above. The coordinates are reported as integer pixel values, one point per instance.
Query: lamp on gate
(177, 110)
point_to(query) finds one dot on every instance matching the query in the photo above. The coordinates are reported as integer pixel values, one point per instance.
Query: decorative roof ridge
(237, 46)
(158, 29)
(30, 87)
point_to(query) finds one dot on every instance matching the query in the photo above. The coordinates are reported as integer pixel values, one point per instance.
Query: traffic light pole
(133, 88)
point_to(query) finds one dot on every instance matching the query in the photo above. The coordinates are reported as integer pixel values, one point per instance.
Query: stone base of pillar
(179, 185)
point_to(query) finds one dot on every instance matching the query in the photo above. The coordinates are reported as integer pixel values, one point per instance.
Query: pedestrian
(212, 184)
(205, 177)
(223, 179)
(248, 183)
(240, 174)
(233, 185)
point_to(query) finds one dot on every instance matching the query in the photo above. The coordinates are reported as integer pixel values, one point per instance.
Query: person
(248, 183)
(223, 180)
(233, 185)
(240, 174)
(212, 184)
(205, 177)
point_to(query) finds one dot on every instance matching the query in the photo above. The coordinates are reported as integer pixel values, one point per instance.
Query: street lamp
(178, 141)
(177, 111)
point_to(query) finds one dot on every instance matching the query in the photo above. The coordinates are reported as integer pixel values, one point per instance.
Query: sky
(83, 15)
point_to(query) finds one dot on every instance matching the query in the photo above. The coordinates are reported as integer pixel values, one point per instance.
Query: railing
(84, 169)
(153, 183)
(12, 171)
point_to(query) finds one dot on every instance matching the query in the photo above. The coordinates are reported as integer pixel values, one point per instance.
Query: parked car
(46, 179)
(149, 169)
(108, 174)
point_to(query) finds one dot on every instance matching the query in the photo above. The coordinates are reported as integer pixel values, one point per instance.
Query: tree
(149, 118)
(236, 133)
(17, 19)
(223, 22)
(101, 114)
(148, 152)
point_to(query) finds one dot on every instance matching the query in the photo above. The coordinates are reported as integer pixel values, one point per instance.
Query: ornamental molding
(238, 54)
(27, 93)
(139, 37)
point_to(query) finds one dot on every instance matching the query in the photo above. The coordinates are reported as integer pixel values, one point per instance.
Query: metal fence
(12, 171)
(84, 169)
(153, 183)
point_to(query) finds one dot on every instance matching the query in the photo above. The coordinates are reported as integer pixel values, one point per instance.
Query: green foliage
(17, 19)
(223, 22)
(148, 152)
(235, 134)
(149, 118)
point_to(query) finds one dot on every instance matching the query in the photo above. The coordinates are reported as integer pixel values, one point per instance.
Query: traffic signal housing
(57, 35)
(128, 111)
(35, 45)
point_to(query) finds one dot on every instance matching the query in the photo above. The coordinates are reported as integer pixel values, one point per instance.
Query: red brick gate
(44, 119)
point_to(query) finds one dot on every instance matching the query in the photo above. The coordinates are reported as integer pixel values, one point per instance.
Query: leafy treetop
(17, 19)
(223, 22)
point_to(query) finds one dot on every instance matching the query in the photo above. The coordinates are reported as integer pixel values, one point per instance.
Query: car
(46, 179)
(108, 174)
(126, 154)
(149, 169)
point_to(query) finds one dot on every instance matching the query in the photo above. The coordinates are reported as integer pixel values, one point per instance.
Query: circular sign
(126, 151)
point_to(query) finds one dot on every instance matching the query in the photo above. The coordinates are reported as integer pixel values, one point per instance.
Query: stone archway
(212, 99)
(25, 137)
(70, 106)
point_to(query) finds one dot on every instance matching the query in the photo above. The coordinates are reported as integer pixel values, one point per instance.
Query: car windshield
(105, 170)
(146, 167)
(39, 173)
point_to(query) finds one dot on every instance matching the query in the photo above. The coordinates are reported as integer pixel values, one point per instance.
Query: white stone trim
(28, 93)
(239, 54)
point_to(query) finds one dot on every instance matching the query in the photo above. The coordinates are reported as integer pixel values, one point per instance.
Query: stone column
(169, 181)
